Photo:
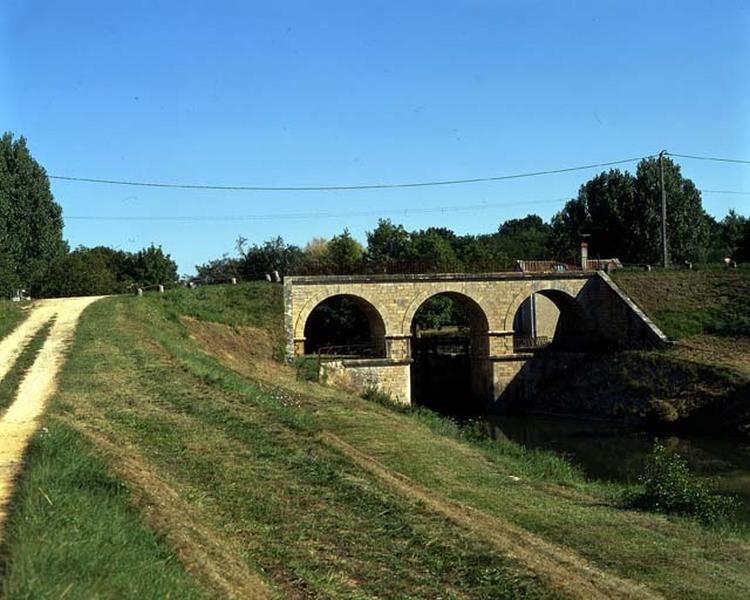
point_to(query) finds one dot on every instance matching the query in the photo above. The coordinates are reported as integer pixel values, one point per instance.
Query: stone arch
(374, 316)
(479, 320)
(574, 320)
(451, 373)
(458, 294)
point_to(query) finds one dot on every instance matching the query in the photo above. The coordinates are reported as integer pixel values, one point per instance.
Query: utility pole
(665, 255)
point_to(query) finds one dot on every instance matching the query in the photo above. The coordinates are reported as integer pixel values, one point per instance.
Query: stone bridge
(580, 311)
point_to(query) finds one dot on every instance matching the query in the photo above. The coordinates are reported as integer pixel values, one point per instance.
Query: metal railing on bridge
(345, 351)
(528, 343)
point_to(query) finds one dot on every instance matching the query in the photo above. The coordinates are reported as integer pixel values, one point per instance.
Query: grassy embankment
(704, 380)
(707, 311)
(174, 435)
(701, 384)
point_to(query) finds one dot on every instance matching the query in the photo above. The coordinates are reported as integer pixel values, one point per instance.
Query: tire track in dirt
(563, 569)
(21, 419)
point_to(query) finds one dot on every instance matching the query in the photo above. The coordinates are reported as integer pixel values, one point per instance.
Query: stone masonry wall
(392, 378)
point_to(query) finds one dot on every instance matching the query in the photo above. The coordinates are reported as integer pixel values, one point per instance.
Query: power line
(333, 214)
(329, 188)
(711, 158)
(725, 192)
(313, 215)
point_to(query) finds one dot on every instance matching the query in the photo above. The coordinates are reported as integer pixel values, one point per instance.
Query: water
(610, 452)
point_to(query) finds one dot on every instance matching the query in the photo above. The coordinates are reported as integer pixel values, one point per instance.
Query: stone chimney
(584, 255)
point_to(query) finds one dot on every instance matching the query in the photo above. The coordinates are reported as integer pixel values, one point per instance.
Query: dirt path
(37, 386)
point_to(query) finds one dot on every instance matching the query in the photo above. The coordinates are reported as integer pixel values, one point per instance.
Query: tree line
(616, 212)
(33, 253)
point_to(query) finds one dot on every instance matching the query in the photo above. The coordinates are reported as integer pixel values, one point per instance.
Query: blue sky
(315, 93)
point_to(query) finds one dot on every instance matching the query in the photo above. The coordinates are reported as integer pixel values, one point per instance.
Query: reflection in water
(606, 451)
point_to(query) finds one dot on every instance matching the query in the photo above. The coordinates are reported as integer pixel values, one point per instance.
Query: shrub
(307, 368)
(662, 412)
(670, 487)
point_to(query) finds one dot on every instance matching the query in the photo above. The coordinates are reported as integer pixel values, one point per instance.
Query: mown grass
(539, 492)
(533, 463)
(9, 384)
(249, 461)
(10, 316)
(246, 455)
(73, 531)
(542, 493)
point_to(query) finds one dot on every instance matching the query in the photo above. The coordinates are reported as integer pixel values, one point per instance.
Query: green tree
(345, 253)
(388, 243)
(151, 266)
(481, 253)
(83, 272)
(568, 227)
(440, 311)
(30, 220)
(605, 213)
(273, 255)
(732, 228)
(433, 251)
(687, 222)
(526, 239)
(743, 249)
(219, 269)
(621, 216)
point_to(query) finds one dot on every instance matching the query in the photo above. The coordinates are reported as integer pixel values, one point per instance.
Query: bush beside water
(668, 486)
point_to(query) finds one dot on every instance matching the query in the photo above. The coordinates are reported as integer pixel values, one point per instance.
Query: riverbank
(180, 456)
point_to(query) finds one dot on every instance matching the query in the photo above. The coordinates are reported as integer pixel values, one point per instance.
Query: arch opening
(550, 319)
(345, 325)
(450, 346)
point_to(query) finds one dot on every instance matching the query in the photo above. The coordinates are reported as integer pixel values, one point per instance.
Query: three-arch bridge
(578, 310)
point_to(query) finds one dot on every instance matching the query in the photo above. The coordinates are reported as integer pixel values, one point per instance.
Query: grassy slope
(255, 477)
(687, 303)
(708, 312)
(701, 384)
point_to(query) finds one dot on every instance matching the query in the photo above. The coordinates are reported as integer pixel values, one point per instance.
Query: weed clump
(307, 368)
(668, 486)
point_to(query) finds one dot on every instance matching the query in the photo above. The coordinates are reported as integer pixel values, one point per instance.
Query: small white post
(139, 291)
(161, 289)
(234, 281)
